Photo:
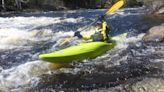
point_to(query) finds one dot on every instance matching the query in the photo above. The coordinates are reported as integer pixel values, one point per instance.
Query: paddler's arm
(84, 37)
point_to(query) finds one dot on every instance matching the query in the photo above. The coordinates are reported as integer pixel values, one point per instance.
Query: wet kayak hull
(78, 52)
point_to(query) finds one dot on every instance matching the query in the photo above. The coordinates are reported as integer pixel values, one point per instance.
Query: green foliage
(133, 3)
(98, 0)
(69, 4)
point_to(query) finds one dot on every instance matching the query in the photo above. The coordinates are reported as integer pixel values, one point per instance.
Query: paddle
(112, 9)
(115, 7)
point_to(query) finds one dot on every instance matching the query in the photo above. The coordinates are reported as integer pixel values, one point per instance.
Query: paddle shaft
(112, 9)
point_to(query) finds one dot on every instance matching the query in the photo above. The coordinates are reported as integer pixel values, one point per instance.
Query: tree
(18, 4)
(3, 5)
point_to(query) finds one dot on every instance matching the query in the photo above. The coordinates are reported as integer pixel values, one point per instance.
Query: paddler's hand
(101, 18)
(78, 34)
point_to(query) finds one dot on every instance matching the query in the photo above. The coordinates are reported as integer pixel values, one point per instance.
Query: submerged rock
(148, 85)
(155, 34)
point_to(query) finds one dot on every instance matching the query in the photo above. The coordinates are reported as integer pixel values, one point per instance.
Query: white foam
(23, 74)
(18, 31)
(29, 23)
(125, 41)
(11, 38)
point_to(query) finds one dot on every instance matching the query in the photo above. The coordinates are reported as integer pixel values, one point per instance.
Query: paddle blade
(66, 41)
(115, 7)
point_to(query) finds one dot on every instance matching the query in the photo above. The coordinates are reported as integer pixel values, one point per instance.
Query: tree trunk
(3, 5)
(18, 4)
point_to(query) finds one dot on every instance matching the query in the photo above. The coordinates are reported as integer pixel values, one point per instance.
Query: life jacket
(102, 33)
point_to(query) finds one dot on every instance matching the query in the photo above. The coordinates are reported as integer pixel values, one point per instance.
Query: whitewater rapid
(23, 34)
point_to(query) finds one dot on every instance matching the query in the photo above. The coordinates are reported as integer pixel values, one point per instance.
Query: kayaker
(101, 34)
(103, 29)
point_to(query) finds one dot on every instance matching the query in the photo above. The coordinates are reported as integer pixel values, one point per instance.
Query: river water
(131, 66)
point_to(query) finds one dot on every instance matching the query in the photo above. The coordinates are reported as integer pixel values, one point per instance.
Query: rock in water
(160, 11)
(155, 34)
(154, 6)
(148, 85)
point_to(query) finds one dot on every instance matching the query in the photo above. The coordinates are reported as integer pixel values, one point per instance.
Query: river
(128, 66)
